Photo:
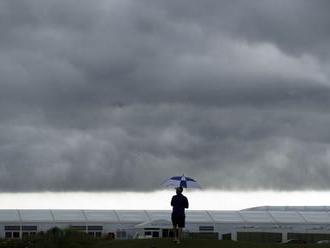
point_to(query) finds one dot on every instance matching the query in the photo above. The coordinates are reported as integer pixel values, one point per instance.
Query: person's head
(179, 190)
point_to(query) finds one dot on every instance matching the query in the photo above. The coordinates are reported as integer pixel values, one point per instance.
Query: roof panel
(159, 214)
(226, 216)
(140, 216)
(256, 216)
(32, 215)
(269, 208)
(290, 208)
(9, 215)
(132, 215)
(287, 217)
(69, 215)
(101, 215)
(315, 217)
(317, 208)
(198, 216)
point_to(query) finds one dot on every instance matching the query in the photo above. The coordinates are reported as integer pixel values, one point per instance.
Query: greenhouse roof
(256, 215)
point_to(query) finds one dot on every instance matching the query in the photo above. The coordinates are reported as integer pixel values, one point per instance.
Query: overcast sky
(121, 94)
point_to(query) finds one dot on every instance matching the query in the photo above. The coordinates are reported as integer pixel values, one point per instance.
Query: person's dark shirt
(179, 203)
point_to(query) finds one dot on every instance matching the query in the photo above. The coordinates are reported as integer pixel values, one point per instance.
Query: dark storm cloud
(118, 95)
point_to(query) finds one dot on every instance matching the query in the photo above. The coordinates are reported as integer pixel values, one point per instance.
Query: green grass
(163, 243)
(57, 238)
(167, 243)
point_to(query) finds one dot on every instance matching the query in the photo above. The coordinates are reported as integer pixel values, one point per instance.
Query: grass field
(68, 238)
(148, 243)
(167, 243)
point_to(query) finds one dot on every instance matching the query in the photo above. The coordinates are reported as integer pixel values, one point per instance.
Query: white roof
(256, 216)
(315, 217)
(156, 223)
(68, 216)
(32, 215)
(136, 216)
(290, 208)
(247, 216)
(101, 215)
(226, 216)
(198, 216)
(159, 214)
(287, 217)
(9, 215)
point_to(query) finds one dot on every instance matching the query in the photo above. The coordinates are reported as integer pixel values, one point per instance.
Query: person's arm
(172, 201)
(187, 203)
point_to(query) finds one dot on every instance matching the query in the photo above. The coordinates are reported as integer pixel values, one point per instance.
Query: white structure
(274, 223)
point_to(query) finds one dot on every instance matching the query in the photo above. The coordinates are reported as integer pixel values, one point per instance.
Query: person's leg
(175, 233)
(181, 225)
(179, 235)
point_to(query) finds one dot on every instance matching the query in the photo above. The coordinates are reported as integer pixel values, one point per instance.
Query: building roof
(291, 208)
(267, 215)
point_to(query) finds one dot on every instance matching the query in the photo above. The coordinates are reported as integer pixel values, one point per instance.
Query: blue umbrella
(181, 181)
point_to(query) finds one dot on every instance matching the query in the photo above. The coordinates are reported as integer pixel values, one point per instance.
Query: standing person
(179, 203)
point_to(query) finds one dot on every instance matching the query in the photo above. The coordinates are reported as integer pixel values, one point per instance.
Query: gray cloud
(118, 95)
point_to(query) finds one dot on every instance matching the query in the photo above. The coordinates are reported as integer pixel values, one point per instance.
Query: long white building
(275, 224)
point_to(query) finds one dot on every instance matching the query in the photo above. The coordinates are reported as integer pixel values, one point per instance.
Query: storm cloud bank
(120, 94)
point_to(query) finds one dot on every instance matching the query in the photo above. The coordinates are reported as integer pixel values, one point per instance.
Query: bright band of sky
(199, 200)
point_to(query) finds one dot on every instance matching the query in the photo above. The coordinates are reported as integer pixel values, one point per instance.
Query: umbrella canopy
(181, 181)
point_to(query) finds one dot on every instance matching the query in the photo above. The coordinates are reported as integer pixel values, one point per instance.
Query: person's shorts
(178, 221)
